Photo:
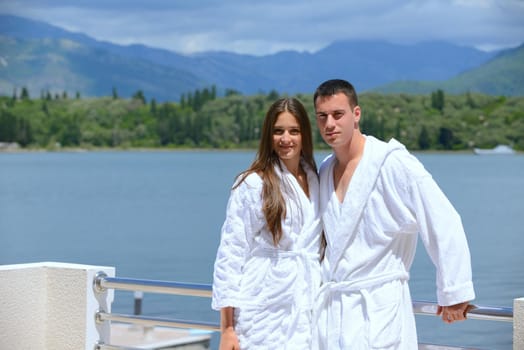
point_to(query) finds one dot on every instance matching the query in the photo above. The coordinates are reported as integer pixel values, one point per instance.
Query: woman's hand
(229, 340)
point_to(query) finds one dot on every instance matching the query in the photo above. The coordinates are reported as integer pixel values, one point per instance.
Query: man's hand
(454, 313)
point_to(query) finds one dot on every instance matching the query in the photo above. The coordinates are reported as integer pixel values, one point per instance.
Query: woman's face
(287, 137)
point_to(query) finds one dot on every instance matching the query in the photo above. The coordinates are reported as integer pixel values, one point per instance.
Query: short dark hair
(335, 86)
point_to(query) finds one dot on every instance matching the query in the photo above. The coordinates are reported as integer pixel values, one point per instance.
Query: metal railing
(486, 313)
(102, 282)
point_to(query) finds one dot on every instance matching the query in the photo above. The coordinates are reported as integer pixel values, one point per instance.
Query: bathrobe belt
(329, 300)
(306, 260)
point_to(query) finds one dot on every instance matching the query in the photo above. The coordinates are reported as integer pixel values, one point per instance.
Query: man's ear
(356, 113)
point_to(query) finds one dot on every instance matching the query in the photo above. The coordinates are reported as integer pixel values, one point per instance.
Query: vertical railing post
(139, 295)
(518, 324)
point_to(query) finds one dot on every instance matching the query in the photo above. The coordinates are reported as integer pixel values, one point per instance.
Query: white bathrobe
(272, 288)
(364, 302)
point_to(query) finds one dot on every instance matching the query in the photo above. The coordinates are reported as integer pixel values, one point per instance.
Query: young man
(376, 198)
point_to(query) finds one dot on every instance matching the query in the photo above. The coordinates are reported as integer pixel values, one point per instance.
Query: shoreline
(180, 150)
(10, 148)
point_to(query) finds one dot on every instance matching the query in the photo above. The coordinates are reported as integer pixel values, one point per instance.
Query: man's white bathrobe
(364, 302)
(272, 288)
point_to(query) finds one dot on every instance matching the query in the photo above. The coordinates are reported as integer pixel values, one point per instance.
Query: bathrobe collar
(341, 219)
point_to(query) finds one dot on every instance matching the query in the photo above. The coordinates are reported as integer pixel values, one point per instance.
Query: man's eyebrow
(333, 111)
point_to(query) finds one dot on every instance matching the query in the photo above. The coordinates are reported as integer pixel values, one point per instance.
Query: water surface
(157, 215)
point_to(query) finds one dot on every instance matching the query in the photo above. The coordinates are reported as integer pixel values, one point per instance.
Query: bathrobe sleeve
(441, 230)
(244, 219)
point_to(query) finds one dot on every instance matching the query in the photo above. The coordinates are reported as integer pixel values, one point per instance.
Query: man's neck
(347, 153)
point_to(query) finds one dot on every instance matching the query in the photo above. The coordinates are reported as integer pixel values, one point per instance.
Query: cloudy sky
(262, 27)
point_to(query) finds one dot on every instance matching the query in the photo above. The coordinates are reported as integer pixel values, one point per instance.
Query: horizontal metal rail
(487, 313)
(103, 282)
(142, 320)
(103, 346)
(440, 347)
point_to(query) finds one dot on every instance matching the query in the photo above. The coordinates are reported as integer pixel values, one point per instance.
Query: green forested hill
(503, 75)
(436, 121)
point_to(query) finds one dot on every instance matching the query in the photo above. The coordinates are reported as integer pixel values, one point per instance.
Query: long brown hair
(274, 205)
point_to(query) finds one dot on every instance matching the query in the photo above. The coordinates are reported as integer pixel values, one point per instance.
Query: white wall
(518, 324)
(51, 306)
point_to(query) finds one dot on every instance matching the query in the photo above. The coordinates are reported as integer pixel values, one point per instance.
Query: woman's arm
(228, 336)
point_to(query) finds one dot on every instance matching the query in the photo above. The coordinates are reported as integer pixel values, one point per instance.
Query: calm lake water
(157, 215)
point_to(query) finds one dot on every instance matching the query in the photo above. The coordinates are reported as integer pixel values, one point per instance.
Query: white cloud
(265, 27)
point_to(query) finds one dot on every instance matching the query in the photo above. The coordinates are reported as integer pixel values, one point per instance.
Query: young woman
(267, 266)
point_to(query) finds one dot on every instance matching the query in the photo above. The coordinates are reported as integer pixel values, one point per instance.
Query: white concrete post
(50, 305)
(518, 324)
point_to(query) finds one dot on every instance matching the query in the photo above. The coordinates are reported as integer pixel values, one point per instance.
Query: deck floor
(164, 338)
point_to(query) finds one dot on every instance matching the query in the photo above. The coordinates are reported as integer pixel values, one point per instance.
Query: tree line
(202, 119)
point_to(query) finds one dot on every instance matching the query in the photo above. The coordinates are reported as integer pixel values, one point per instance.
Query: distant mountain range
(43, 57)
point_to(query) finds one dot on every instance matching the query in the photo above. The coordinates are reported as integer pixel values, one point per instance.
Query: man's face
(336, 120)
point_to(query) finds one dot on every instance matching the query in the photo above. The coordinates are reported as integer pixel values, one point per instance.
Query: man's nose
(330, 121)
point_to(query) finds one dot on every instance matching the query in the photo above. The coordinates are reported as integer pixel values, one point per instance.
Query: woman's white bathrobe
(271, 288)
(364, 302)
